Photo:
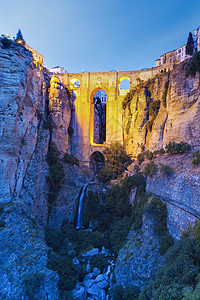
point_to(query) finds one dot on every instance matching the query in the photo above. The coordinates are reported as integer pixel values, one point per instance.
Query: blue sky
(104, 35)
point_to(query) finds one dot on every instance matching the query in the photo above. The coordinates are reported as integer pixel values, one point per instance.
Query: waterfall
(80, 219)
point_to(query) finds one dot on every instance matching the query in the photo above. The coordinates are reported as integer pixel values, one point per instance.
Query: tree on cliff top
(190, 45)
(19, 38)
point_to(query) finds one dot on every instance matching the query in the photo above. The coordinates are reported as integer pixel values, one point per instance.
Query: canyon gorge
(41, 179)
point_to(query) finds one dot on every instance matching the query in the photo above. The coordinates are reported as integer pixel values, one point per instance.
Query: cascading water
(80, 219)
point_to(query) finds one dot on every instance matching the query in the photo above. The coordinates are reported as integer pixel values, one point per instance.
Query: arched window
(124, 83)
(75, 83)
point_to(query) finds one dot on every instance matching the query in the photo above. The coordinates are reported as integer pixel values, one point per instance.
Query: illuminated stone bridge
(85, 85)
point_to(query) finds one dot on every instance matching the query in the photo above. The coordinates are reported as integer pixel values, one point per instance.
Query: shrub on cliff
(127, 99)
(131, 292)
(166, 242)
(165, 170)
(140, 157)
(177, 148)
(128, 293)
(160, 151)
(56, 171)
(159, 209)
(164, 95)
(196, 158)
(150, 169)
(53, 154)
(193, 66)
(6, 42)
(71, 159)
(149, 154)
(117, 161)
(152, 111)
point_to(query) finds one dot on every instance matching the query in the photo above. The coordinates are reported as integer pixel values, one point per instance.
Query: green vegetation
(128, 293)
(152, 111)
(118, 232)
(180, 273)
(149, 155)
(66, 244)
(56, 172)
(160, 151)
(92, 209)
(177, 148)
(193, 66)
(165, 170)
(159, 209)
(117, 201)
(138, 210)
(119, 213)
(150, 169)
(164, 96)
(69, 273)
(99, 261)
(70, 130)
(190, 45)
(116, 162)
(196, 158)
(32, 283)
(6, 42)
(19, 37)
(140, 157)
(166, 242)
(114, 221)
(117, 292)
(71, 159)
(136, 168)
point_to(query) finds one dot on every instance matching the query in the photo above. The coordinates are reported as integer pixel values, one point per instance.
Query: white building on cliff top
(179, 55)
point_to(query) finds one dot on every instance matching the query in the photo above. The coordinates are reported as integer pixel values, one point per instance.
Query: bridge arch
(98, 116)
(92, 94)
(97, 161)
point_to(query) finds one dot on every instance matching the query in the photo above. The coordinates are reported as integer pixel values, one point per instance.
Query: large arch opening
(99, 130)
(97, 161)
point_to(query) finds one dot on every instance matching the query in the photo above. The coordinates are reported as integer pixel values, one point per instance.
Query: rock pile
(94, 286)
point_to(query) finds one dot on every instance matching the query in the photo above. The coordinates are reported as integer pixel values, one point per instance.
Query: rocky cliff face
(181, 190)
(178, 118)
(139, 259)
(24, 140)
(35, 110)
(60, 114)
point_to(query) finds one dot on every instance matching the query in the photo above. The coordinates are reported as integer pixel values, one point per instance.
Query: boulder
(90, 253)
(100, 277)
(96, 272)
(103, 284)
(79, 294)
(88, 283)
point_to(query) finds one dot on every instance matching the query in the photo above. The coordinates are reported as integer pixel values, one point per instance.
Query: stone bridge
(84, 86)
